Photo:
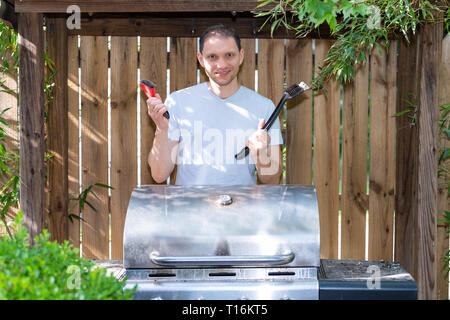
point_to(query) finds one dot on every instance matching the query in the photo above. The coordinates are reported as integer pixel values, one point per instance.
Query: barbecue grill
(228, 242)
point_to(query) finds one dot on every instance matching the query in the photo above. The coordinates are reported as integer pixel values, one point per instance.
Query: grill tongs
(289, 93)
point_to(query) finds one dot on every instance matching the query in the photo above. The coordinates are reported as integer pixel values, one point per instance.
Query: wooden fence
(328, 137)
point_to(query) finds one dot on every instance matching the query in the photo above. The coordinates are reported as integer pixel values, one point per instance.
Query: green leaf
(103, 185)
(265, 3)
(398, 114)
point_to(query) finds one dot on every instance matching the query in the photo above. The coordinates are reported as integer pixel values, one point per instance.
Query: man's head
(221, 55)
(219, 30)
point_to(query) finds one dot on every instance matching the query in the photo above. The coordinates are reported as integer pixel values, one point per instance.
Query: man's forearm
(160, 158)
(268, 166)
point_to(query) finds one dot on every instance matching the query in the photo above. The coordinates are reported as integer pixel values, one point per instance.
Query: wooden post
(416, 212)
(31, 89)
(57, 139)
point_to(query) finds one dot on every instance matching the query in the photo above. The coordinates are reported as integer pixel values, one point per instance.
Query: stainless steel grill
(224, 242)
(242, 242)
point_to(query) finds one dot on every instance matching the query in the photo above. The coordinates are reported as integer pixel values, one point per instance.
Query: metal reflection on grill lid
(262, 224)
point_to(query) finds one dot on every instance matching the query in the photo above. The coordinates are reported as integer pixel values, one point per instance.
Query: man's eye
(229, 55)
(212, 57)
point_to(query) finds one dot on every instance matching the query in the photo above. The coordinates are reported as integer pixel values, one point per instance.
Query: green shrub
(48, 270)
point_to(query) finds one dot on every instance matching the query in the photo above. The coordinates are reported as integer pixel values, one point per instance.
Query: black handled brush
(289, 93)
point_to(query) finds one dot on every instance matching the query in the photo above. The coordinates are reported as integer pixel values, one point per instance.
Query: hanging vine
(357, 25)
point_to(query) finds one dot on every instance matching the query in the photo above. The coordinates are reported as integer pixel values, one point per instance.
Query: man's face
(221, 59)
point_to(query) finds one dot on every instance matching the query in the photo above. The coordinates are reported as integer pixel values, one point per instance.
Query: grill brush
(289, 93)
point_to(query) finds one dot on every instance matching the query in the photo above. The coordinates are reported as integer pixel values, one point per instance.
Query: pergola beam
(137, 5)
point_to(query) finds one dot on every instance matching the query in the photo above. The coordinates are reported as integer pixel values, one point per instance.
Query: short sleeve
(174, 129)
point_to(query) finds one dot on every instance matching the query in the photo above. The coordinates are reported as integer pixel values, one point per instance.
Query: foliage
(9, 159)
(48, 270)
(446, 221)
(8, 49)
(444, 167)
(358, 26)
(444, 132)
(82, 199)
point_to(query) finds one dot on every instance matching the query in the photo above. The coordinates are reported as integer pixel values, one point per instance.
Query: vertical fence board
(299, 67)
(247, 73)
(270, 72)
(354, 165)
(270, 69)
(183, 69)
(153, 66)
(72, 137)
(183, 63)
(123, 134)
(382, 153)
(326, 158)
(430, 42)
(94, 97)
(406, 173)
(57, 180)
(443, 199)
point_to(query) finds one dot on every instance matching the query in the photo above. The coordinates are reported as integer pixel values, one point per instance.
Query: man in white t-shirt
(212, 121)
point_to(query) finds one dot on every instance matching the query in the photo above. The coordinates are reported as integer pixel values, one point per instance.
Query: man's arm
(162, 157)
(269, 164)
(267, 158)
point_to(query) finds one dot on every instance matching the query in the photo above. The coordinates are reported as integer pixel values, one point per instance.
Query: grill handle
(221, 260)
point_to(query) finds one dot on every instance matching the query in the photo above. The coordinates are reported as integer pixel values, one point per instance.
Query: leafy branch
(82, 200)
(358, 26)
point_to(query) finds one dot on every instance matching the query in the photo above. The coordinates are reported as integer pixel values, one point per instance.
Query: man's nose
(221, 62)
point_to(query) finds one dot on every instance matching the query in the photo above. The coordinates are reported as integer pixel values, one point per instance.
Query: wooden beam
(31, 88)
(57, 136)
(416, 214)
(179, 25)
(137, 5)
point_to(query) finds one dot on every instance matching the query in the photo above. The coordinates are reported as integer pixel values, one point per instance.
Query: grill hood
(233, 226)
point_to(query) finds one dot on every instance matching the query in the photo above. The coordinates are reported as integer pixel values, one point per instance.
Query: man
(212, 121)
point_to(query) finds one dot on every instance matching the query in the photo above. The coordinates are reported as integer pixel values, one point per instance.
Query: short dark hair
(219, 30)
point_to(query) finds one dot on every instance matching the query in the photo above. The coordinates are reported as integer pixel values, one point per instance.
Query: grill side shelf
(365, 280)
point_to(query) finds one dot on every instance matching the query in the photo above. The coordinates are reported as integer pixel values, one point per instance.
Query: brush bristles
(297, 89)
(148, 83)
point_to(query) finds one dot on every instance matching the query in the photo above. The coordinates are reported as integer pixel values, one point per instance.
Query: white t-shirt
(211, 130)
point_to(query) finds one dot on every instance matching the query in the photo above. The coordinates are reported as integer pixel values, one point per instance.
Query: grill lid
(201, 226)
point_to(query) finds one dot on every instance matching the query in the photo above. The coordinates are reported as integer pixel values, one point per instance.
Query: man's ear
(200, 59)
(241, 56)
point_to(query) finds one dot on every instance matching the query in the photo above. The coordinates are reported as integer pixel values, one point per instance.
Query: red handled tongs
(149, 88)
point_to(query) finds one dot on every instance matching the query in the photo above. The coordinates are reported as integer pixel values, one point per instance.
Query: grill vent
(282, 273)
(158, 275)
(222, 274)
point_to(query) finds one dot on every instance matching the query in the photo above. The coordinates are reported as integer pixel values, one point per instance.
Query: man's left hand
(258, 141)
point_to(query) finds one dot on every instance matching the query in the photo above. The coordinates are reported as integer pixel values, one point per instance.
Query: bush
(48, 270)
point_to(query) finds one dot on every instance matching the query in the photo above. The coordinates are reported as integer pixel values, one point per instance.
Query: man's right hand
(156, 109)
